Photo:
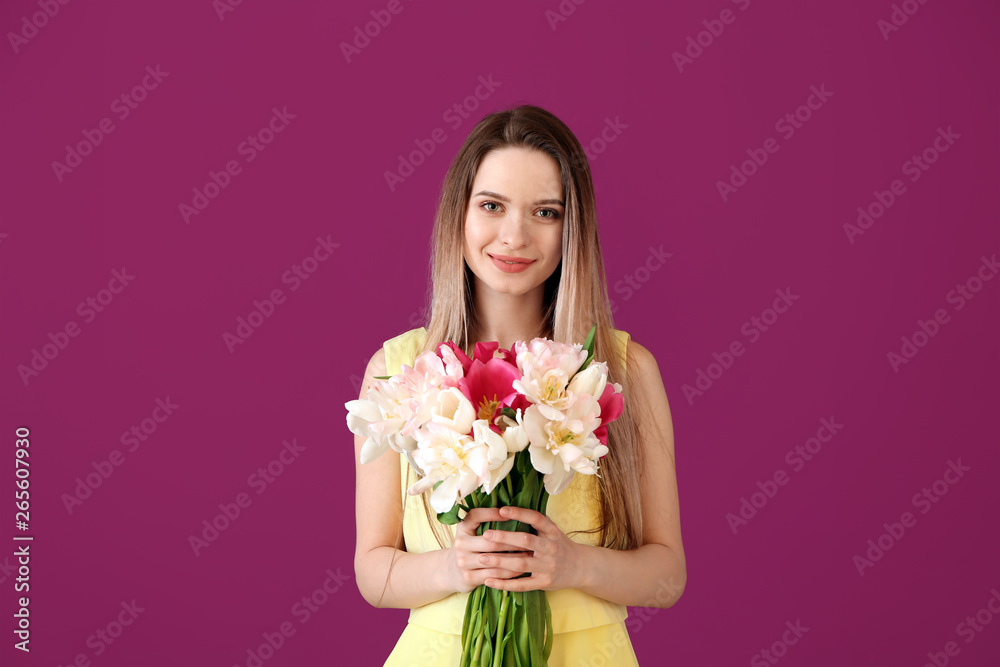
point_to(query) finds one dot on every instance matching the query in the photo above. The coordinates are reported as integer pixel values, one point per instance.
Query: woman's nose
(513, 231)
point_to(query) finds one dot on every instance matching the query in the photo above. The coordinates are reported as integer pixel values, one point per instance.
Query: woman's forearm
(654, 575)
(415, 579)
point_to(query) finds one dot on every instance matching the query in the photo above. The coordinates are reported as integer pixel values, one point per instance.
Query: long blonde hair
(575, 296)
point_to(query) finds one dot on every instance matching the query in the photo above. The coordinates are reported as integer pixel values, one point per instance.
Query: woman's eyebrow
(495, 195)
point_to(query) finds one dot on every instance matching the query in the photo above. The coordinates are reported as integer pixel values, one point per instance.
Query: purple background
(322, 176)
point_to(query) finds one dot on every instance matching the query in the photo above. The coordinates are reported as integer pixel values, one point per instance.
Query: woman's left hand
(553, 559)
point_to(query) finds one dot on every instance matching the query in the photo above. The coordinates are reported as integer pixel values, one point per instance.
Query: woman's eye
(553, 213)
(491, 203)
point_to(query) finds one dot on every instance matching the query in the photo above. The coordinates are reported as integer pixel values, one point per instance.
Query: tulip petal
(372, 449)
(557, 481)
(542, 459)
(443, 498)
(499, 474)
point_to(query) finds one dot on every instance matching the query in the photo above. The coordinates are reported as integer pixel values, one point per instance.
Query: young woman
(517, 256)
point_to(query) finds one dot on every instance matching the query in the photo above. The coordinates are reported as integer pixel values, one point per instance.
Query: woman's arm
(379, 521)
(654, 575)
(414, 579)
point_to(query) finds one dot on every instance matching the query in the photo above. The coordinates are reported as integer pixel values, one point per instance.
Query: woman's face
(516, 211)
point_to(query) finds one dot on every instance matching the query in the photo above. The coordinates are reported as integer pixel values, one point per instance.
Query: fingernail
(488, 534)
(505, 511)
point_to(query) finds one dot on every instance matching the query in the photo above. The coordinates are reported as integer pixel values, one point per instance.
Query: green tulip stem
(498, 656)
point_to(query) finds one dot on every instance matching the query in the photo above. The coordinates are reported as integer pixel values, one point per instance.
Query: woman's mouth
(514, 265)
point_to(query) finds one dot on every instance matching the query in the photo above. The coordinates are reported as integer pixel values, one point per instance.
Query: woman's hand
(464, 569)
(553, 559)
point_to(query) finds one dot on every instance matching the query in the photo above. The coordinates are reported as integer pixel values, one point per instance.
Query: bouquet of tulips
(493, 431)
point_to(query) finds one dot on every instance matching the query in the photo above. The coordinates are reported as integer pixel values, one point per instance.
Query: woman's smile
(511, 264)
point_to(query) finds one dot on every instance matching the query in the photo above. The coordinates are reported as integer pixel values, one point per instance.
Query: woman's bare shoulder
(376, 364)
(376, 368)
(640, 360)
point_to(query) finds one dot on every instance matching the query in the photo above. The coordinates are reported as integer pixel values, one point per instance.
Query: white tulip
(449, 457)
(564, 445)
(590, 380)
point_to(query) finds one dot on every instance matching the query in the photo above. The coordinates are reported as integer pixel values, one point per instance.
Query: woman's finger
(504, 540)
(477, 515)
(496, 573)
(533, 518)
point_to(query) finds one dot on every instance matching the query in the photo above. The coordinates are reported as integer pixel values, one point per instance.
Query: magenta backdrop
(799, 217)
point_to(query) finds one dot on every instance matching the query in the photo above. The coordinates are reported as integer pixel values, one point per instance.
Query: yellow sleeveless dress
(587, 629)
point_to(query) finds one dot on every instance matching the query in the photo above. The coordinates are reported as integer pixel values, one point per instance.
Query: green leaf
(468, 613)
(477, 634)
(507, 650)
(509, 524)
(589, 347)
(468, 623)
(523, 641)
(547, 649)
(381, 377)
(522, 461)
(450, 517)
(493, 611)
(543, 504)
(530, 490)
(502, 493)
(536, 624)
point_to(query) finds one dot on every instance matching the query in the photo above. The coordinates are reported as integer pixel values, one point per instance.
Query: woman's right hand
(464, 571)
